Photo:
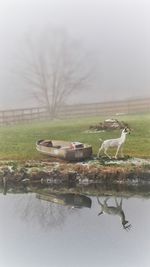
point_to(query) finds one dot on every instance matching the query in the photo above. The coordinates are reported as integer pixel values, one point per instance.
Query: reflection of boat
(68, 199)
(70, 151)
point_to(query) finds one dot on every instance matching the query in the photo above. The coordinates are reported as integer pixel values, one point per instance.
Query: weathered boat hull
(63, 150)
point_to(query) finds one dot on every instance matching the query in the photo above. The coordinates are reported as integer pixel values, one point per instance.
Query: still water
(38, 233)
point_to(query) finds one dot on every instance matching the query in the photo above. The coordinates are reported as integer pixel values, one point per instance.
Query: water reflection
(114, 210)
(47, 231)
(47, 211)
(4, 180)
(67, 199)
(41, 214)
(49, 207)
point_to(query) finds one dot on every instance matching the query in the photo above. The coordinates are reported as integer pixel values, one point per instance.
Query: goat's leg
(117, 152)
(99, 151)
(121, 203)
(116, 201)
(101, 212)
(105, 152)
(121, 150)
(99, 201)
(106, 199)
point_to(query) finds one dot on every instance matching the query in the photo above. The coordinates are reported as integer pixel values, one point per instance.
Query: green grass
(18, 142)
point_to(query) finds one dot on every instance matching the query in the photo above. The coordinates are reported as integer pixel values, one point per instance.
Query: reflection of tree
(41, 213)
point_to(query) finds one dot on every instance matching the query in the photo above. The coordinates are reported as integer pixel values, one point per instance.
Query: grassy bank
(18, 142)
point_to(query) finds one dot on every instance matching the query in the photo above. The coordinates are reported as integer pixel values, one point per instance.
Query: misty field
(18, 142)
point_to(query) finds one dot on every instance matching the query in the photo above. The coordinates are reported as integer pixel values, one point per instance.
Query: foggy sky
(116, 32)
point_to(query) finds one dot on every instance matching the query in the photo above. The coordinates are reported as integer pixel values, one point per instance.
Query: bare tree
(55, 67)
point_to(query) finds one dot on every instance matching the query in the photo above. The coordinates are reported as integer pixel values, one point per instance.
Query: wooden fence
(105, 108)
(13, 116)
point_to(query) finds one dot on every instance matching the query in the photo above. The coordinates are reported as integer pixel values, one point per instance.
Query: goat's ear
(100, 213)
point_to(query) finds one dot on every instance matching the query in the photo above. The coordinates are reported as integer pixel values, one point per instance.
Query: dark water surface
(39, 233)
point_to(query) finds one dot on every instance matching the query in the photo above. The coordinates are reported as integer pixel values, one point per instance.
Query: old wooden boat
(70, 151)
(66, 199)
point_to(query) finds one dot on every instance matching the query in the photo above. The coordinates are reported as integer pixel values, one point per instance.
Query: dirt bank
(135, 171)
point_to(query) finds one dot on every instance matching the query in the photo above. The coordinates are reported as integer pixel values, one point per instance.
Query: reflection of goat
(118, 142)
(112, 210)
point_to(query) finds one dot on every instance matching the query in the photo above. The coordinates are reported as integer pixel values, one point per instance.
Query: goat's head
(126, 130)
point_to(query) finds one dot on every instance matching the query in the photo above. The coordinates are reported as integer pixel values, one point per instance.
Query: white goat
(118, 142)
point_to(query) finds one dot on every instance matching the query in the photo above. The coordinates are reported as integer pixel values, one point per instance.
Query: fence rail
(14, 116)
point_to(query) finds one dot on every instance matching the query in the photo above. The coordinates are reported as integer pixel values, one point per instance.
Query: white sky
(117, 32)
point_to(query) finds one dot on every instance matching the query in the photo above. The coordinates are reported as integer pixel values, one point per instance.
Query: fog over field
(115, 34)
